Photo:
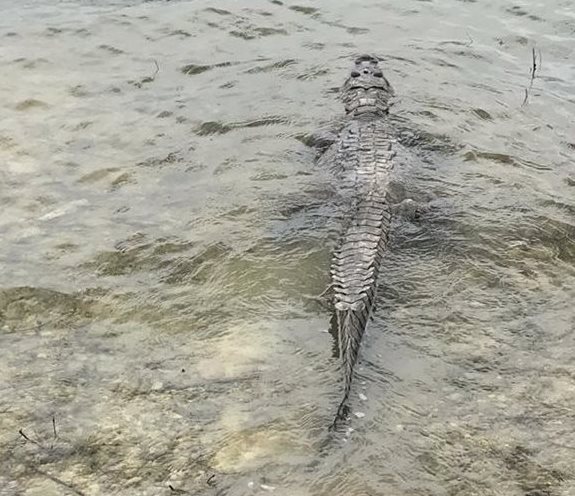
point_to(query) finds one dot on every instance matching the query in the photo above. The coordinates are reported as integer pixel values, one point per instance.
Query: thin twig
(533, 72)
(151, 78)
(526, 96)
(36, 470)
(33, 441)
(533, 67)
(55, 479)
(148, 79)
(177, 491)
(37, 327)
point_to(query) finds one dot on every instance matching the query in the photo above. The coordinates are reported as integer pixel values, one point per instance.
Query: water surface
(163, 239)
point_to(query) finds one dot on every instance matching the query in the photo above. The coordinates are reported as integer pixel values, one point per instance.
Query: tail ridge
(351, 325)
(355, 269)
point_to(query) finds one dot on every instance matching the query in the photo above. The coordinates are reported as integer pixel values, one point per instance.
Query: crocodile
(361, 160)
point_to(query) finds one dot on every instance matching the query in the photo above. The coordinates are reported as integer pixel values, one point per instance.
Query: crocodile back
(362, 164)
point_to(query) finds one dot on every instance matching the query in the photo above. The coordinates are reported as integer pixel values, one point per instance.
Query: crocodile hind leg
(407, 209)
(325, 299)
(327, 291)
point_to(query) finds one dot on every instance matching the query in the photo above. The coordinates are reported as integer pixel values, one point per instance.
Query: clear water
(162, 239)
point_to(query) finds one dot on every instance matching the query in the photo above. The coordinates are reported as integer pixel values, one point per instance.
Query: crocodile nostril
(365, 71)
(354, 74)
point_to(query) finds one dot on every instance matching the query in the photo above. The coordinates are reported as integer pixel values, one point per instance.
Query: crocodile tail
(351, 326)
(355, 269)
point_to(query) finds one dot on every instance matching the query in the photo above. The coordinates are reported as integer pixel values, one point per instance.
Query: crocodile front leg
(324, 137)
(321, 139)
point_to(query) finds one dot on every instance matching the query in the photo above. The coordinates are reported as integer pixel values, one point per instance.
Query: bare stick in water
(532, 72)
(176, 490)
(33, 441)
(58, 481)
(533, 67)
(540, 59)
(148, 79)
(526, 96)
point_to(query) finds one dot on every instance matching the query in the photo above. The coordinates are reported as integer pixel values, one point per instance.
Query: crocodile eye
(354, 74)
(378, 74)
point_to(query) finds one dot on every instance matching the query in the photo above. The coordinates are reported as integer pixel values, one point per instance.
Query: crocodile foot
(326, 292)
(324, 299)
(321, 139)
(407, 209)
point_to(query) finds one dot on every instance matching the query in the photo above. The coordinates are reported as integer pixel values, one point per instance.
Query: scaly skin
(361, 160)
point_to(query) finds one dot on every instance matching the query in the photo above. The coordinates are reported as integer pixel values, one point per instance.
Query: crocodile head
(366, 91)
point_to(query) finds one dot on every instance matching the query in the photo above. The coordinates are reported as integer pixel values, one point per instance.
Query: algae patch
(26, 306)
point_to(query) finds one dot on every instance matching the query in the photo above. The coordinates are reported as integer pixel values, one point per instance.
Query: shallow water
(163, 239)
